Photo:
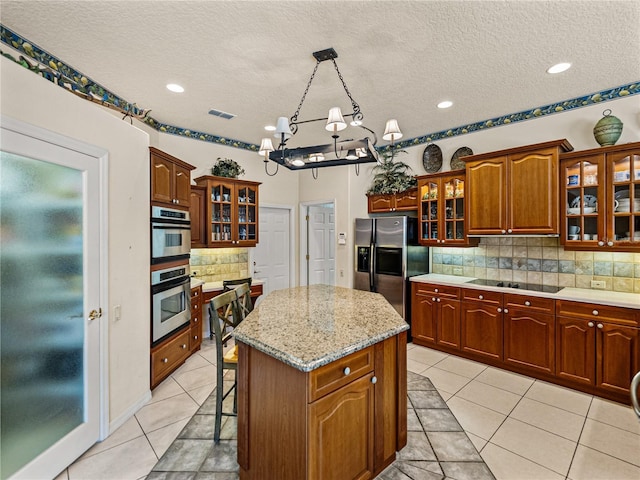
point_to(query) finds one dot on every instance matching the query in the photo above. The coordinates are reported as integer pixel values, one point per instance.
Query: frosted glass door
(45, 332)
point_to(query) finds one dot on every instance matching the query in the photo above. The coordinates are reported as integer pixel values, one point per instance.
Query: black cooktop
(523, 286)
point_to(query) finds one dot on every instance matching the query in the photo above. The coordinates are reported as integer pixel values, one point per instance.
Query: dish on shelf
(576, 210)
(589, 210)
(589, 201)
(455, 163)
(621, 194)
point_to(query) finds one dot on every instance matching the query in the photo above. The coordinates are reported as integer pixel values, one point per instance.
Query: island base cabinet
(294, 425)
(349, 453)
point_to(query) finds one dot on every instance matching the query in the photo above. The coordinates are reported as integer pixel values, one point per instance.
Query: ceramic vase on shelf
(608, 129)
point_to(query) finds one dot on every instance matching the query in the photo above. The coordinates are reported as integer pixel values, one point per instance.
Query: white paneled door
(271, 261)
(321, 252)
(49, 302)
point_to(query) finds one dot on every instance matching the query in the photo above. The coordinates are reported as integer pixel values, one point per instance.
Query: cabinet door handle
(590, 324)
(506, 310)
(509, 231)
(438, 300)
(433, 299)
(600, 325)
(184, 346)
(195, 337)
(595, 312)
(504, 231)
(601, 243)
(347, 370)
(436, 290)
(527, 303)
(610, 244)
(499, 310)
(481, 297)
(165, 360)
(374, 380)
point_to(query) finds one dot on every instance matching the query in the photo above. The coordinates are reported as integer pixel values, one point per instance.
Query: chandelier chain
(354, 104)
(294, 118)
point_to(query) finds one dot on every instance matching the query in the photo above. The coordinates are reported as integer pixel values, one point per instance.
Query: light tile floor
(522, 427)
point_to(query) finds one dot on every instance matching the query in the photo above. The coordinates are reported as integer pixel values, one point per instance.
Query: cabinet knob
(499, 310)
(481, 297)
(609, 244)
(433, 299)
(374, 380)
(347, 370)
(600, 325)
(436, 290)
(504, 231)
(509, 231)
(195, 337)
(590, 324)
(595, 312)
(527, 303)
(184, 345)
(165, 360)
(601, 243)
(506, 310)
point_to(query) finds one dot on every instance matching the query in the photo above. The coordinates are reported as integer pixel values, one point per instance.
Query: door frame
(102, 157)
(304, 237)
(292, 256)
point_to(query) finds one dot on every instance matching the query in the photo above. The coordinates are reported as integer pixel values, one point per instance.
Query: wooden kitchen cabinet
(343, 419)
(529, 333)
(598, 346)
(170, 179)
(514, 191)
(600, 199)
(441, 210)
(435, 315)
(399, 202)
(481, 329)
(169, 355)
(195, 334)
(197, 209)
(231, 213)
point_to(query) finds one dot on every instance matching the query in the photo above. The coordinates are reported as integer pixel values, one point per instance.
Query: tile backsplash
(541, 261)
(217, 264)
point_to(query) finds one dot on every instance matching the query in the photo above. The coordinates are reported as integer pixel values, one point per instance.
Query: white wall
(34, 100)
(349, 190)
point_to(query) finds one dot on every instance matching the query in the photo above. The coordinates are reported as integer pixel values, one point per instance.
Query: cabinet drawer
(168, 355)
(590, 311)
(336, 374)
(482, 295)
(538, 304)
(195, 336)
(195, 308)
(443, 291)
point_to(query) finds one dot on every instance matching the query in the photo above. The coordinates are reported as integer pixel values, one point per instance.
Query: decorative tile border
(51, 68)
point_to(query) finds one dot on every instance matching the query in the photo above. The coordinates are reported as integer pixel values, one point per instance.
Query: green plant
(226, 167)
(390, 175)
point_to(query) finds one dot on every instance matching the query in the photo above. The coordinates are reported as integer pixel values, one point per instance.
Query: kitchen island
(322, 384)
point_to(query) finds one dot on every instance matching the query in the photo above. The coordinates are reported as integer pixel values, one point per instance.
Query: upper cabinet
(402, 201)
(198, 208)
(514, 191)
(231, 212)
(600, 198)
(170, 179)
(441, 209)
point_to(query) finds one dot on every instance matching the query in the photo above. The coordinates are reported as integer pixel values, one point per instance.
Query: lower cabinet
(595, 352)
(435, 315)
(345, 420)
(589, 347)
(481, 323)
(195, 338)
(168, 356)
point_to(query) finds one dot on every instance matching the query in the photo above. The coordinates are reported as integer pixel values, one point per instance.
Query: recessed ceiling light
(559, 67)
(174, 87)
(445, 104)
(270, 128)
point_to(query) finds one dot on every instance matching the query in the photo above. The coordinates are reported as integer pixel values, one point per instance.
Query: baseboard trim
(130, 412)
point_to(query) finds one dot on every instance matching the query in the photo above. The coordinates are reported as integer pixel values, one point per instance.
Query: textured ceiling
(398, 58)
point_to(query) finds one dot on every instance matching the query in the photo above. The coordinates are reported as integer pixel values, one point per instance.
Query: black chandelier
(346, 152)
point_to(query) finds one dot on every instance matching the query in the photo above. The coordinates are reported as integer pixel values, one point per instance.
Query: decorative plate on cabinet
(456, 163)
(432, 158)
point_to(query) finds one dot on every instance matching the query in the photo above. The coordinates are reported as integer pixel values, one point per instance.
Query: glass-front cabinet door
(221, 212)
(583, 201)
(624, 197)
(247, 197)
(453, 209)
(428, 190)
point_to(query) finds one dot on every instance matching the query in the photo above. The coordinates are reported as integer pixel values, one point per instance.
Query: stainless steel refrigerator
(387, 254)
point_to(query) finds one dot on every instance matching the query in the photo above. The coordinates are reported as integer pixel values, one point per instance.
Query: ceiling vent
(221, 114)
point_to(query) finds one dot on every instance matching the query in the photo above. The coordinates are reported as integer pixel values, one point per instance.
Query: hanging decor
(347, 152)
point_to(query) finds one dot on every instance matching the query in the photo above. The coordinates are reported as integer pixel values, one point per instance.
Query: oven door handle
(169, 284)
(175, 226)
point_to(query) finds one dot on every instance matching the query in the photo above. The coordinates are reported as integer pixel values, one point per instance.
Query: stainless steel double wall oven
(170, 275)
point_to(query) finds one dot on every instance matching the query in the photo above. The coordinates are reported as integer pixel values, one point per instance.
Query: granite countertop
(217, 286)
(307, 327)
(600, 297)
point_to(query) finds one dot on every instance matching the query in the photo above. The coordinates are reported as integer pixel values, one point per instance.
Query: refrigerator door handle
(371, 268)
